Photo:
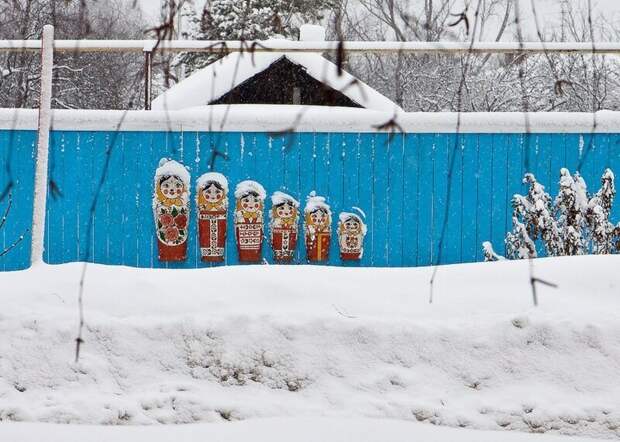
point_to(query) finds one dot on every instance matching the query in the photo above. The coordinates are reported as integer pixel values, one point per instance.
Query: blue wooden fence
(401, 183)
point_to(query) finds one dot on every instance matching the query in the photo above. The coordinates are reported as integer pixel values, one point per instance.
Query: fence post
(41, 161)
(148, 76)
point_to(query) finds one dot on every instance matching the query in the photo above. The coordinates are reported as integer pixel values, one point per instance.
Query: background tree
(81, 80)
(245, 20)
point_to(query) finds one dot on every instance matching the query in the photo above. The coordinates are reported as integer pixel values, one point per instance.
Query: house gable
(285, 82)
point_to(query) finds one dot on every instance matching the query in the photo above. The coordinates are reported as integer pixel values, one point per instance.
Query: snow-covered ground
(296, 344)
(270, 430)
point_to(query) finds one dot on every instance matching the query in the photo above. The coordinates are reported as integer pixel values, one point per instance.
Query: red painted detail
(284, 242)
(249, 241)
(212, 235)
(317, 246)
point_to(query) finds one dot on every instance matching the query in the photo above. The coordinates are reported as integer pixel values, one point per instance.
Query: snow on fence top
(263, 118)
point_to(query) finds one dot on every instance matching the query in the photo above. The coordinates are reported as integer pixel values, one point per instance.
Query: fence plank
(426, 199)
(411, 172)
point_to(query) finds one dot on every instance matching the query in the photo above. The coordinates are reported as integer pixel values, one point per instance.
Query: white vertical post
(41, 162)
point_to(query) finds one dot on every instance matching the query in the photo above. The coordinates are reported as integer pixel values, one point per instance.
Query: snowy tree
(519, 244)
(494, 83)
(602, 231)
(571, 205)
(81, 80)
(489, 253)
(532, 219)
(246, 20)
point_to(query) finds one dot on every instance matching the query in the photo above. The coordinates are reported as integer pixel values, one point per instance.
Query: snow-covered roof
(219, 78)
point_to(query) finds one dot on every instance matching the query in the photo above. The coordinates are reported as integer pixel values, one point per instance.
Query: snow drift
(237, 343)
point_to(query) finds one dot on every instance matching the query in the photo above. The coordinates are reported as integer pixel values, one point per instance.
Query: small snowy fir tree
(570, 205)
(489, 253)
(519, 244)
(602, 231)
(538, 216)
(572, 224)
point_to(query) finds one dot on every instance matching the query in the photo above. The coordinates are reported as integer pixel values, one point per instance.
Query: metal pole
(408, 47)
(41, 161)
(148, 78)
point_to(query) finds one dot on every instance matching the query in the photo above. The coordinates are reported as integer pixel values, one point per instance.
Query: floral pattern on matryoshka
(171, 210)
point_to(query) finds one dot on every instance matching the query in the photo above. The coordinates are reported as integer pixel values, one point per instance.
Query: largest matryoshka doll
(212, 202)
(171, 210)
(318, 228)
(284, 226)
(250, 199)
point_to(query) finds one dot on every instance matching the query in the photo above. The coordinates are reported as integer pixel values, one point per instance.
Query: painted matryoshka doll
(351, 232)
(171, 210)
(212, 204)
(318, 228)
(284, 226)
(250, 198)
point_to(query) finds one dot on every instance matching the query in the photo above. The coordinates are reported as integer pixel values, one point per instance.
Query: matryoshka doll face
(212, 193)
(251, 202)
(319, 217)
(285, 210)
(172, 187)
(352, 225)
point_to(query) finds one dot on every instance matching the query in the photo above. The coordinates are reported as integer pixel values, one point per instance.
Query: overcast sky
(548, 11)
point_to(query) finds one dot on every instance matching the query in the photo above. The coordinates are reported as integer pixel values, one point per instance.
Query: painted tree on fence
(575, 223)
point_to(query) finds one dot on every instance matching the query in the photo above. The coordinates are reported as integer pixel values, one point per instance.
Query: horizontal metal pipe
(312, 46)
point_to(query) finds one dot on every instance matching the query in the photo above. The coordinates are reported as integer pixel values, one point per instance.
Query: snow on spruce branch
(575, 223)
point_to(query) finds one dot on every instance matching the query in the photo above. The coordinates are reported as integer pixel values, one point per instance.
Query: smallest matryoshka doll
(284, 226)
(250, 198)
(212, 203)
(171, 210)
(351, 232)
(318, 228)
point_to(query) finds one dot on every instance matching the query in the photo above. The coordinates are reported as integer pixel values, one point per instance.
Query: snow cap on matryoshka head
(250, 196)
(283, 205)
(352, 223)
(212, 189)
(317, 211)
(171, 183)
